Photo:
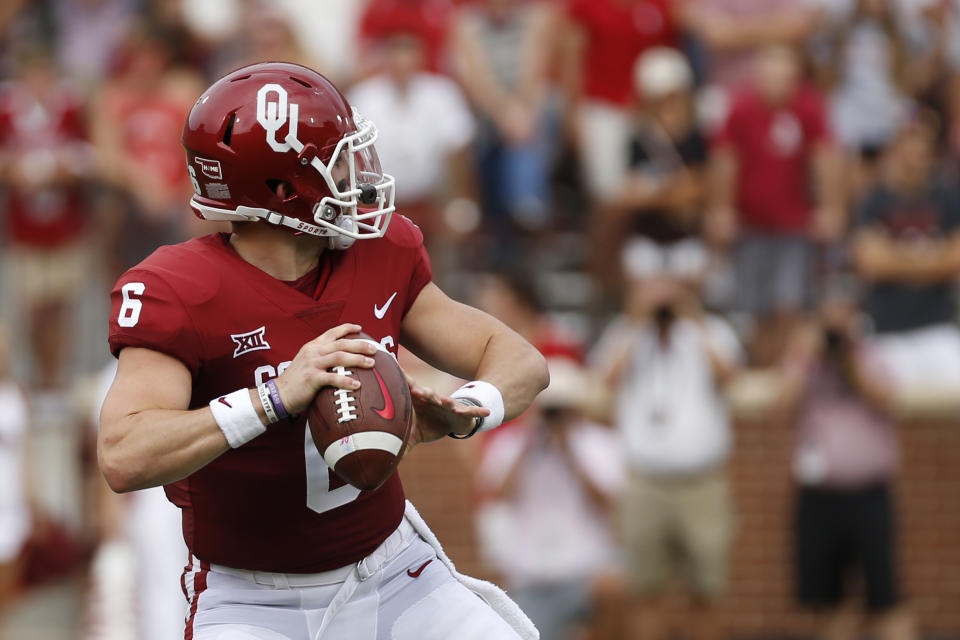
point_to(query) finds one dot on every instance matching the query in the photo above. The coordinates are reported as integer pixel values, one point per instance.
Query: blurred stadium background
(761, 193)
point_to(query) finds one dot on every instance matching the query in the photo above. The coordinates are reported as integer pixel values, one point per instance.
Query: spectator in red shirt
(604, 39)
(44, 160)
(773, 152)
(727, 35)
(136, 128)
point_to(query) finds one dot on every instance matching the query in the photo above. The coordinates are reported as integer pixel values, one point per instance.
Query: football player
(224, 340)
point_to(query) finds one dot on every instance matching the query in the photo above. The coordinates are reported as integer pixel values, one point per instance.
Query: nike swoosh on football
(382, 311)
(387, 411)
(416, 574)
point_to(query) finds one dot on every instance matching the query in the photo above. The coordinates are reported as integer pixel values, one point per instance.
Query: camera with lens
(837, 344)
(664, 314)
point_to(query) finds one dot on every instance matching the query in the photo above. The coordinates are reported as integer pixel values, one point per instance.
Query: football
(361, 432)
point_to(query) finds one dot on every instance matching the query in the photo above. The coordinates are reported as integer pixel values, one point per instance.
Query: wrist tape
(483, 394)
(236, 417)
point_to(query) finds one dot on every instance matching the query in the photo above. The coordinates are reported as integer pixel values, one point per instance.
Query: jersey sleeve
(146, 312)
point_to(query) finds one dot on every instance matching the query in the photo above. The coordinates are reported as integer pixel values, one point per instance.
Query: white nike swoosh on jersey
(382, 311)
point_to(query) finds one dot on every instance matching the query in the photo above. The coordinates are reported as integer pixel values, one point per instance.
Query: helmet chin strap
(334, 240)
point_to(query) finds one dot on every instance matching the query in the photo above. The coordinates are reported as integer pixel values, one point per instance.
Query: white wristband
(237, 418)
(485, 395)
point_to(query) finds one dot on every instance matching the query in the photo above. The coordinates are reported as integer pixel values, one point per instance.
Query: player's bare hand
(437, 415)
(311, 369)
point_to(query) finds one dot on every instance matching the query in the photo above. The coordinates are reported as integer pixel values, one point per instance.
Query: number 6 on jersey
(130, 309)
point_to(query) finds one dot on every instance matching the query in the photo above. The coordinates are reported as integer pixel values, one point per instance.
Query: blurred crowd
(673, 199)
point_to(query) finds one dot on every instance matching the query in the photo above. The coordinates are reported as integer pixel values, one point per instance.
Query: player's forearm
(159, 446)
(515, 368)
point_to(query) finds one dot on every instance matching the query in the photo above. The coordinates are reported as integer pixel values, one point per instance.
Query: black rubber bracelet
(477, 421)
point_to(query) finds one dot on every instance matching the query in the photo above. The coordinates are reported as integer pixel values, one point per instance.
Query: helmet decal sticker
(218, 191)
(272, 114)
(210, 168)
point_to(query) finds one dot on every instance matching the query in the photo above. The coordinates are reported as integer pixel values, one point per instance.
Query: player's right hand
(310, 369)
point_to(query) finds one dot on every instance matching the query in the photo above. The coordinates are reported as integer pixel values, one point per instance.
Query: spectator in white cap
(661, 195)
(556, 553)
(667, 361)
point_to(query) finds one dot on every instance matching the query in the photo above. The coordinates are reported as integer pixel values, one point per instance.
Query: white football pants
(407, 589)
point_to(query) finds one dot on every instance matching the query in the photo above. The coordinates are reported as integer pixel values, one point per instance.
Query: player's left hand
(437, 415)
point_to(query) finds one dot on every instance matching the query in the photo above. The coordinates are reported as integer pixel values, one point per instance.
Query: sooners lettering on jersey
(272, 504)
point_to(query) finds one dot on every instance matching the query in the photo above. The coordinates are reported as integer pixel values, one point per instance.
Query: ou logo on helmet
(273, 114)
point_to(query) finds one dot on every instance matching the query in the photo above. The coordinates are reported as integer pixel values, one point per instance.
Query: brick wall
(438, 477)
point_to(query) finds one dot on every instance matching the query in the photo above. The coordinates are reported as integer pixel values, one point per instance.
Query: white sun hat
(660, 71)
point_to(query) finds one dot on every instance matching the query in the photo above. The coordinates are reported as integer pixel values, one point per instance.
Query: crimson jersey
(272, 504)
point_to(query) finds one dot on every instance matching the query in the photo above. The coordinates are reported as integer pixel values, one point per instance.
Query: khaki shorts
(49, 275)
(603, 129)
(678, 527)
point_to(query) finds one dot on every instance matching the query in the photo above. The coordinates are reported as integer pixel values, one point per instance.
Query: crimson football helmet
(278, 142)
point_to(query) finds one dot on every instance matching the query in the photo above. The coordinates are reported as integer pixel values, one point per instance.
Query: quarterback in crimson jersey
(221, 338)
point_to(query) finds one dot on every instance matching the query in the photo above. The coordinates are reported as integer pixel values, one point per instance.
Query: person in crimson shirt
(604, 39)
(44, 161)
(135, 125)
(223, 342)
(774, 151)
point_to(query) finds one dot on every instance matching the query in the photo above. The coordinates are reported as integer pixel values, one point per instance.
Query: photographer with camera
(845, 459)
(556, 554)
(667, 361)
